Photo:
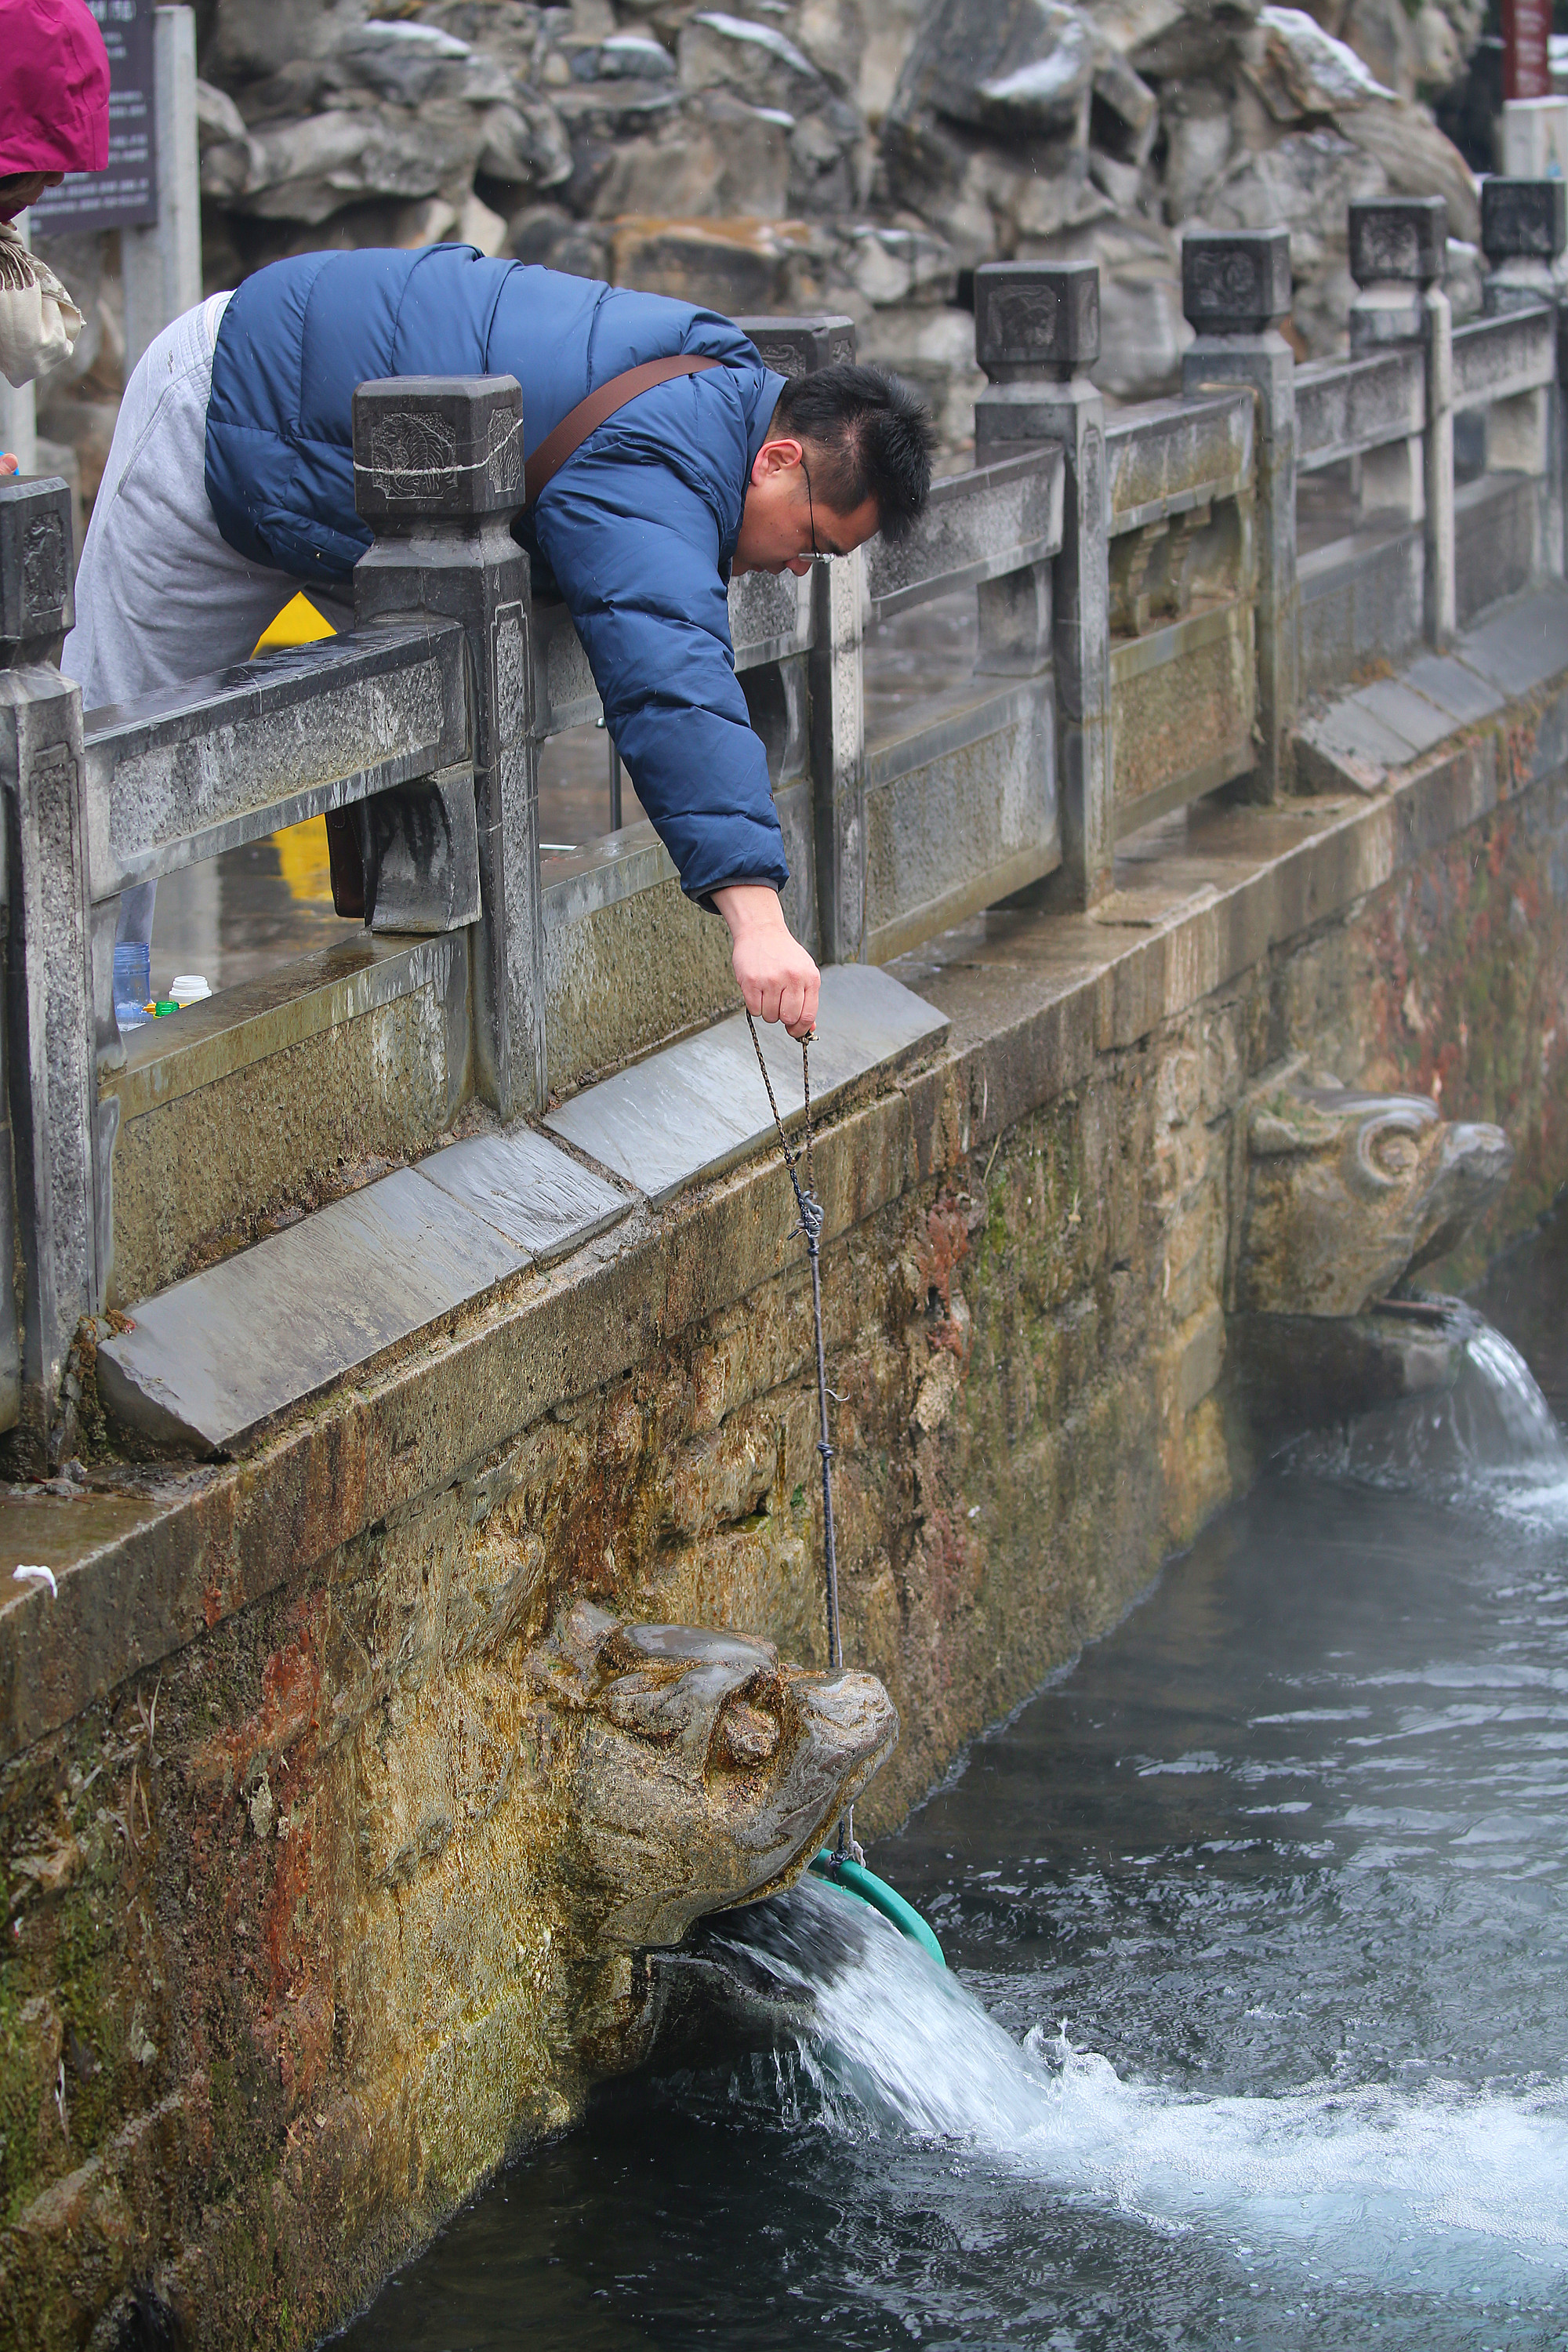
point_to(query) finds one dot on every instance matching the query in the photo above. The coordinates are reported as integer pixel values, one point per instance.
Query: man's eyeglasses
(817, 554)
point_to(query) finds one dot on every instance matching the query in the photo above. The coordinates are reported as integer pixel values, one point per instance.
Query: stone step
(694, 1109)
(1382, 727)
(212, 1360)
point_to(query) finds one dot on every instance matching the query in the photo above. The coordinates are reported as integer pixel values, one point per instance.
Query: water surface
(1254, 2035)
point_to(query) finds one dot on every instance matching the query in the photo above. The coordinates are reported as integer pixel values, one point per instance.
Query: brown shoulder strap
(589, 415)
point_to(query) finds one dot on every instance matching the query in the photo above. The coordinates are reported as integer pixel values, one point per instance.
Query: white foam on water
(1385, 2185)
(1491, 1438)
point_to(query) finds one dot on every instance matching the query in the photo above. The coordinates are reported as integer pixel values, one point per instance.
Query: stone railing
(1145, 634)
(1403, 543)
(950, 817)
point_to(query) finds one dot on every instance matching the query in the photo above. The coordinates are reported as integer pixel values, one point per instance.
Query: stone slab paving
(1393, 720)
(528, 1188)
(1519, 648)
(1405, 712)
(696, 1107)
(1352, 734)
(211, 1359)
(1466, 697)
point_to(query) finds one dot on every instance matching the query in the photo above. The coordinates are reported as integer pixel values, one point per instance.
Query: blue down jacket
(639, 529)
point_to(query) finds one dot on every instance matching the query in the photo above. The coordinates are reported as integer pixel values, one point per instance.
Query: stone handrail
(979, 525)
(268, 744)
(1500, 358)
(1346, 406)
(1167, 456)
(1180, 477)
(1411, 548)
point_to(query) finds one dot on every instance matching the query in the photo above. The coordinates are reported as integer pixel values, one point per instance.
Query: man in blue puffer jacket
(230, 483)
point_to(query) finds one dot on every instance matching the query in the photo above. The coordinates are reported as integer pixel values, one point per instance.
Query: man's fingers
(778, 981)
(803, 1021)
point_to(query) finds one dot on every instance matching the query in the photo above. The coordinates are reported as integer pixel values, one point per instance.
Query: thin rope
(810, 1220)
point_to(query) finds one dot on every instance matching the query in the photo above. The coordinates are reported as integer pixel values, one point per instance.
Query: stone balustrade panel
(1169, 456)
(268, 744)
(1345, 407)
(1498, 359)
(979, 526)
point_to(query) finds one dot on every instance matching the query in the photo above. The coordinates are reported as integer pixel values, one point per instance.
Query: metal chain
(810, 1219)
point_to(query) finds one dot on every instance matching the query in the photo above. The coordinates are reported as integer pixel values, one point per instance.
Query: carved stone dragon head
(695, 1771)
(1345, 1192)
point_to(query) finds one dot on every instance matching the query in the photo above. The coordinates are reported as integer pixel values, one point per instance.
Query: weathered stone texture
(1455, 984)
(1343, 1191)
(205, 1170)
(291, 1960)
(605, 995)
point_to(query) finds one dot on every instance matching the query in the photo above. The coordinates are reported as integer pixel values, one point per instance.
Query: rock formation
(825, 153)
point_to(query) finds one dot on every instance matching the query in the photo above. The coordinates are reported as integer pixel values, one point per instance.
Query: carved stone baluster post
(1236, 288)
(1398, 250)
(438, 473)
(58, 1147)
(1524, 232)
(1037, 333)
(798, 347)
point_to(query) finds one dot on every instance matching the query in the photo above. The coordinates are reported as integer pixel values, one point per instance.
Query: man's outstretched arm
(652, 615)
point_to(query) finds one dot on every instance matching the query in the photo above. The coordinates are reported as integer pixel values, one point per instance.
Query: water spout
(1490, 1436)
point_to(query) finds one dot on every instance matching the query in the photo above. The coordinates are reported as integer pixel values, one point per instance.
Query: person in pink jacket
(54, 119)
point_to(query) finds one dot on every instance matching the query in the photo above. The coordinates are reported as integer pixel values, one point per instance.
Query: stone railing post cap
(1037, 314)
(799, 346)
(36, 596)
(1398, 240)
(441, 447)
(1524, 220)
(1235, 281)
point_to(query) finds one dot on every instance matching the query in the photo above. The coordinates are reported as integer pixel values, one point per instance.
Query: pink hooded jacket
(54, 87)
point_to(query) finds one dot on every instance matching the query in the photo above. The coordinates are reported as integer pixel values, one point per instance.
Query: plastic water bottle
(133, 983)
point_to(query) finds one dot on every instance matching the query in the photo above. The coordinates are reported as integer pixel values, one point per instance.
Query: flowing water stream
(1256, 2032)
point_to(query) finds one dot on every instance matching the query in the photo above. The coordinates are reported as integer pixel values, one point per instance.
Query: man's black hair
(870, 436)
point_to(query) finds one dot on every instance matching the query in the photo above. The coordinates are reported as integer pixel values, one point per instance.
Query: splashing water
(902, 2047)
(1492, 1437)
